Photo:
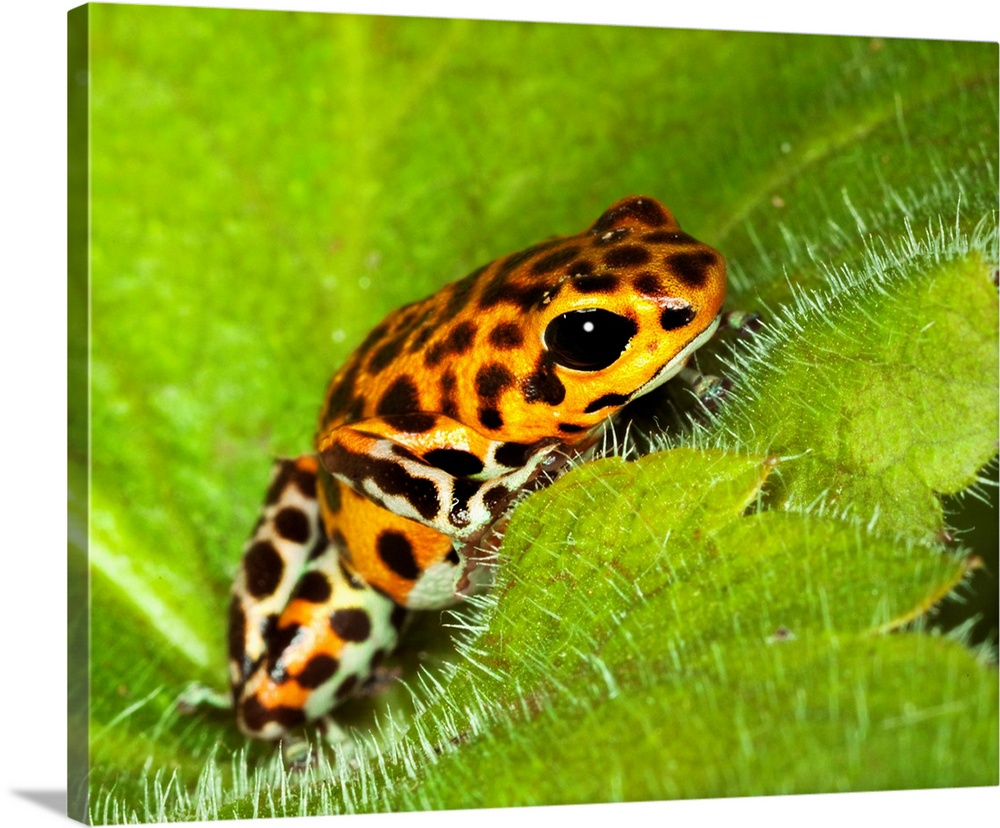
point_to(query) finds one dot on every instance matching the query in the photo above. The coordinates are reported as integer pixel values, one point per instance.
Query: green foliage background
(708, 621)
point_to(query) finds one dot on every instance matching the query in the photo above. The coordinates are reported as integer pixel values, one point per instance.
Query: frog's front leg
(304, 631)
(434, 470)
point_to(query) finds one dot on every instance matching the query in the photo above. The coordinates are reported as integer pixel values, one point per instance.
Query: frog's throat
(672, 368)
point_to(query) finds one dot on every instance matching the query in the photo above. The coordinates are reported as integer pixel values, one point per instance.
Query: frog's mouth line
(672, 368)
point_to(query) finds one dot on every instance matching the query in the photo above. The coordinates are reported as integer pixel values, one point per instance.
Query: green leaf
(876, 384)
(740, 612)
(705, 622)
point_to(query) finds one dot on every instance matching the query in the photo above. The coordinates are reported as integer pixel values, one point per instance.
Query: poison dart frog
(449, 409)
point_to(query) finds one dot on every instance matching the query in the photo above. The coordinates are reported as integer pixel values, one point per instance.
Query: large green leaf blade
(266, 187)
(879, 386)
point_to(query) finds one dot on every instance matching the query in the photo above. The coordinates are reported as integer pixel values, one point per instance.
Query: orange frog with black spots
(451, 408)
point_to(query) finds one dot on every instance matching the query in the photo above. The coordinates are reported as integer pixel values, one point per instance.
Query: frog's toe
(197, 697)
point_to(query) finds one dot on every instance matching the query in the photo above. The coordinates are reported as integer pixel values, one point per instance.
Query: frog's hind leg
(304, 631)
(282, 541)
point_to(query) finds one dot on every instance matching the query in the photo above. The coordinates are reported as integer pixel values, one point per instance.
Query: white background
(33, 397)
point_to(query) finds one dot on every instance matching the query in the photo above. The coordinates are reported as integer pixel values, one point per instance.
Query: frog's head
(632, 304)
(549, 341)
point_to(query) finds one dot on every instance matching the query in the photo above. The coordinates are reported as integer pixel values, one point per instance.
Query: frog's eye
(589, 339)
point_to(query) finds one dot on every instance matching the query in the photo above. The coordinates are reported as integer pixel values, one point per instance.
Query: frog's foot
(745, 323)
(199, 697)
(710, 390)
(297, 752)
(300, 752)
(380, 680)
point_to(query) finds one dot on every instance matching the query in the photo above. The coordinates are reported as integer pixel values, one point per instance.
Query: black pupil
(588, 340)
